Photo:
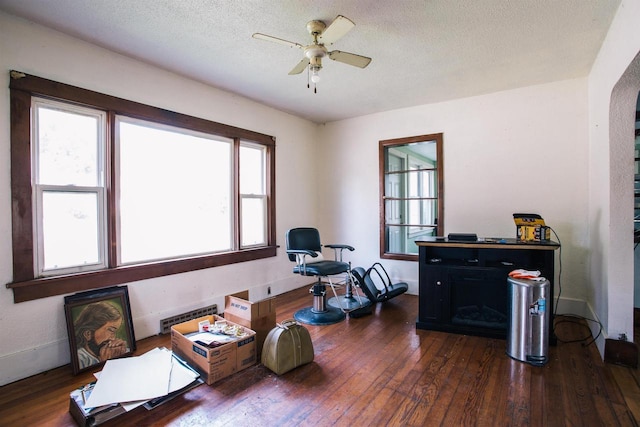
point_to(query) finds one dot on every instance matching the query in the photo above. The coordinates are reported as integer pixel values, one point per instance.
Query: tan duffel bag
(286, 347)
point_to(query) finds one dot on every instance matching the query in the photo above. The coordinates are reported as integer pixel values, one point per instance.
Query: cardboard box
(531, 228)
(214, 363)
(533, 233)
(258, 316)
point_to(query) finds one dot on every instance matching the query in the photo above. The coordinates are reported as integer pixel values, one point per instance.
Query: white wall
(613, 89)
(33, 336)
(522, 150)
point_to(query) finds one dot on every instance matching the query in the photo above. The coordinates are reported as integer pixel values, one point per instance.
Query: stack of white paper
(132, 381)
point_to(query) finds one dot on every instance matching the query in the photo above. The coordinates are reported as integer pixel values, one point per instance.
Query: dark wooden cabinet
(463, 286)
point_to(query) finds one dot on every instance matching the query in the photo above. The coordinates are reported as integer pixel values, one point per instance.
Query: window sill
(50, 286)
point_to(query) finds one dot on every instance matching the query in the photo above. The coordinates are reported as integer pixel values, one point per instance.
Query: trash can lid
(538, 281)
(521, 273)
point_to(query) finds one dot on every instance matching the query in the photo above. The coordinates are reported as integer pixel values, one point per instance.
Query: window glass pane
(395, 184)
(175, 193)
(401, 239)
(70, 229)
(429, 211)
(414, 184)
(422, 231)
(394, 211)
(394, 239)
(429, 183)
(253, 221)
(252, 171)
(68, 146)
(394, 161)
(414, 217)
(419, 212)
(422, 212)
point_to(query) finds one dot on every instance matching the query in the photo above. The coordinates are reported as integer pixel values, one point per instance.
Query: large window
(174, 192)
(411, 194)
(107, 191)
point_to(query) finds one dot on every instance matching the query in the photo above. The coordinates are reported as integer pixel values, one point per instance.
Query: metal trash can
(528, 329)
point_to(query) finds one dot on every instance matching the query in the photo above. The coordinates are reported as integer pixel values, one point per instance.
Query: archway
(622, 115)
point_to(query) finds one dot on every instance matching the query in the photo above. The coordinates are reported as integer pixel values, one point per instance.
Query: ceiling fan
(323, 36)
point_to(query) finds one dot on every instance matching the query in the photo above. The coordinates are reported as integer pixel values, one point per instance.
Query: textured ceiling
(423, 51)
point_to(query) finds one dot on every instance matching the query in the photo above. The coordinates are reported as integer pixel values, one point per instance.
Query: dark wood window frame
(25, 286)
(389, 143)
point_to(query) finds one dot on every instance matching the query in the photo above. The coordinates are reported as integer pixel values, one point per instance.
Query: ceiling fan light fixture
(315, 73)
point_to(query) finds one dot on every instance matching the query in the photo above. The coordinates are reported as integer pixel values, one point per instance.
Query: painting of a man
(96, 333)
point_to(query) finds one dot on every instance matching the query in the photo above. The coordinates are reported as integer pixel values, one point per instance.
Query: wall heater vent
(165, 324)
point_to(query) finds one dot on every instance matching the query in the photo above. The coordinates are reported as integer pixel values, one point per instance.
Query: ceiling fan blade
(338, 28)
(350, 58)
(260, 36)
(300, 67)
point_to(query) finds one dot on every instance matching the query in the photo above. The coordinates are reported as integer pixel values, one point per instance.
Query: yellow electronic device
(531, 228)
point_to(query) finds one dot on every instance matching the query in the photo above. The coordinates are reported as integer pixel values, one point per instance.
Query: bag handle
(287, 323)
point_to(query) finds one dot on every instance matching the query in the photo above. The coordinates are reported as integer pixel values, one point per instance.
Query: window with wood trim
(411, 194)
(108, 191)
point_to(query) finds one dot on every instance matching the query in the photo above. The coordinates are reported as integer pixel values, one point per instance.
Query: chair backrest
(303, 238)
(366, 284)
(380, 279)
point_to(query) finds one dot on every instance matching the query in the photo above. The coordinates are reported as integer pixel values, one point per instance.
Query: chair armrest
(351, 248)
(302, 252)
(337, 250)
(301, 257)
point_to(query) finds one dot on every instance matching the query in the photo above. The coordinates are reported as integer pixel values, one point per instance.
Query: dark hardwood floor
(374, 370)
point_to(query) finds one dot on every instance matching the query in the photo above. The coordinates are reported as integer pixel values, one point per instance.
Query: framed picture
(99, 327)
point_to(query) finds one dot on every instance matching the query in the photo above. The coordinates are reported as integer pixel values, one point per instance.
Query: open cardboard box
(214, 363)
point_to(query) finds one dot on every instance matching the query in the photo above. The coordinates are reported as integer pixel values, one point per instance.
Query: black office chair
(304, 248)
(377, 274)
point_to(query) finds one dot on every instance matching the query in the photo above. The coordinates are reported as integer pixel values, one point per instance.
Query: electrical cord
(571, 318)
(578, 320)
(555, 309)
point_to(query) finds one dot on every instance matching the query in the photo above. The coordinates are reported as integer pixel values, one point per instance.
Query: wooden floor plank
(480, 376)
(490, 400)
(449, 379)
(374, 370)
